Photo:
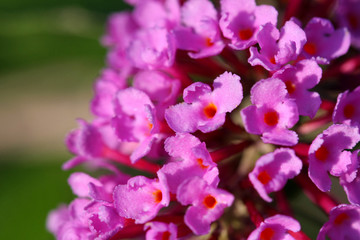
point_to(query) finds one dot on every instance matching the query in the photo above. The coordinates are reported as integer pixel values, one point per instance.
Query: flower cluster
(190, 88)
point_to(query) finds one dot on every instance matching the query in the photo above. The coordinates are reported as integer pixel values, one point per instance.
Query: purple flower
(277, 48)
(241, 20)
(347, 12)
(141, 198)
(204, 109)
(160, 231)
(347, 109)
(275, 227)
(324, 43)
(298, 79)
(326, 154)
(152, 48)
(200, 33)
(135, 120)
(207, 204)
(105, 89)
(190, 158)
(350, 180)
(272, 114)
(343, 224)
(161, 89)
(273, 170)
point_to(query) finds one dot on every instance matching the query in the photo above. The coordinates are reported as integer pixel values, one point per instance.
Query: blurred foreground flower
(182, 102)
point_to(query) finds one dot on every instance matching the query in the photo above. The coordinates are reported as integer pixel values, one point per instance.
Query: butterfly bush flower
(141, 198)
(277, 48)
(177, 142)
(160, 231)
(204, 109)
(347, 109)
(207, 204)
(324, 43)
(347, 12)
(344, 223)
(298, 79)
(275, 227)
(200, 33)
(241, 20)
(273, 170)
(272, 113)
(326, 154)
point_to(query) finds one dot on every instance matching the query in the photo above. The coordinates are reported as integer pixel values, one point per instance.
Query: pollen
(210, 110)
(200, 161)
(267, 234)
(264, 177)
(166, 235)
(271, 118)
(349, 110)
(310, 48)
(290, 87)
(272, 60)
(245, 34)
(208, 42)
(322, 153)
(157, 196)
(340, 218)
(209, 201)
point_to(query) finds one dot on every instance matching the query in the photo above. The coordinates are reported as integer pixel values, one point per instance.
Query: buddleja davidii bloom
(105, 88)
(347, 109)
(324, 43)
(161, 89)
(141, 198)
(272, 171)
(160, 231)
(241, 20)
(347, 12)
(90, 143)
(350, 180)
(272, 113)
(343, 224)
(207, 204)
(205, 109)
(298, 79)
(135, 121)
(277, 48)
(326, 154)
(200, 33)
(276, 228)
(189, 158)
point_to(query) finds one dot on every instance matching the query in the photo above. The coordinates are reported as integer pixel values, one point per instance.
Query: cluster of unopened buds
(204, 112)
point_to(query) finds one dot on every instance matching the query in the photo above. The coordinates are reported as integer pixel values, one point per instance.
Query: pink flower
(272, 114)
(205, 109)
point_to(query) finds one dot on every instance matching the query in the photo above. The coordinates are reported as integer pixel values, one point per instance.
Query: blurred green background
(50, 56)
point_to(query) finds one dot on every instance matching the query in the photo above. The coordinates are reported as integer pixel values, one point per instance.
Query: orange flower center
(201, 163)
(322, 153)
(310, 48)
(272, 60)
(209, 201)
(264, 177)
(210, 110)
(267, 234)
(157, 196)
(245, 34)
(208, 42)
(349, 110)
(341, 218)
(290, 87)
(166, 235)
(271, 118)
